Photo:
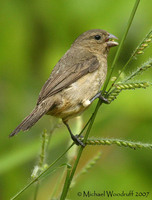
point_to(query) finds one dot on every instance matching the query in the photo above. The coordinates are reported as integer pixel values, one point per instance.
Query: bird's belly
(73, 100)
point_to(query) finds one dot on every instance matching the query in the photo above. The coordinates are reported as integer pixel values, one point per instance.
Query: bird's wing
(61, 78)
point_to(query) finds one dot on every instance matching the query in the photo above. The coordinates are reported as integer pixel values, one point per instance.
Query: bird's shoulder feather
(72, 66)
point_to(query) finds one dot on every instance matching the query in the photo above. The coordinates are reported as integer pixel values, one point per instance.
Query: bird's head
(96, 41)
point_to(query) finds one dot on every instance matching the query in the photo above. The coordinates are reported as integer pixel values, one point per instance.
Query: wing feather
(65, 73)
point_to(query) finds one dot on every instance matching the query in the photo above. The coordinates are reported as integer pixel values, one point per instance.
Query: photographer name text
(111, 193)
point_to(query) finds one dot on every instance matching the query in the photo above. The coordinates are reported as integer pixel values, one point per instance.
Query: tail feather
(30, 120)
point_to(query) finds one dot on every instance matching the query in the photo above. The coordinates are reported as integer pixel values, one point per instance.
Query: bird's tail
(30, 120)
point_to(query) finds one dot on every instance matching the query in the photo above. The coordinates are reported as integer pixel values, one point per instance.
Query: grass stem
(37, 178)
(121, 44)
(69, 180)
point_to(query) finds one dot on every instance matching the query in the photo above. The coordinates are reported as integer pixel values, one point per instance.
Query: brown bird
(75, 81)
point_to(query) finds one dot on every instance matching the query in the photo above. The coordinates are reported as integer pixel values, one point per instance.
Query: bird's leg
(99, 95)
(74, 137)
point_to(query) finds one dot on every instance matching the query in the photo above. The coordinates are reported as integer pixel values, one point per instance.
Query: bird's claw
(99, 95)
(104, 100)
(77, 141)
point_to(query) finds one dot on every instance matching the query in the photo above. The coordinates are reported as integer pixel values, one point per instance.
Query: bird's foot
(99, 95)
(76, 140)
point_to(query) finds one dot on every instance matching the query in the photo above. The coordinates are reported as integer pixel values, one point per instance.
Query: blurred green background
(33, 37)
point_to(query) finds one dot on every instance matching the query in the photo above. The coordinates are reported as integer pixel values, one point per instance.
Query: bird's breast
(74, 98)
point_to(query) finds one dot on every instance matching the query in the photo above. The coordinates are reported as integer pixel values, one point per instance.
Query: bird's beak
(110, 40)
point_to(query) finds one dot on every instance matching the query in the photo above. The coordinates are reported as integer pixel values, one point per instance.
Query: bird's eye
(97, 37)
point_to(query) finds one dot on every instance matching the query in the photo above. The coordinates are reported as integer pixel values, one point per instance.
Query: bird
(75, 81)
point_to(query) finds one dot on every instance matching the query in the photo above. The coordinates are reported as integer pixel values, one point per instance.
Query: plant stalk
(121, 44)
(68, 182)
(37, 178)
